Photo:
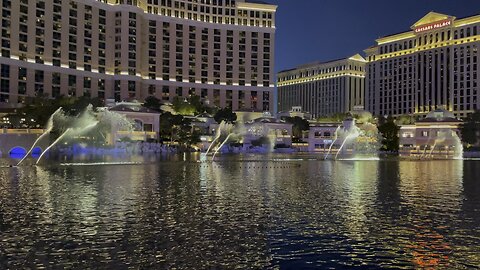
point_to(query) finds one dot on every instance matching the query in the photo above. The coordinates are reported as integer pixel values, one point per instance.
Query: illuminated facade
(146, 123)
(323, 88)
(435, 65)
(221, 50)
(436, 136)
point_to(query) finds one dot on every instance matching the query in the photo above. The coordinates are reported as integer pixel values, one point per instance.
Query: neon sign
(433, 26)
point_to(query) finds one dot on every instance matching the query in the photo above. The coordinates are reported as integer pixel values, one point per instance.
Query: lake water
(245, 212)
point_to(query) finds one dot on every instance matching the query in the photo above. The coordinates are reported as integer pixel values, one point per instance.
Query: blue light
(36, 152)
(17, 152)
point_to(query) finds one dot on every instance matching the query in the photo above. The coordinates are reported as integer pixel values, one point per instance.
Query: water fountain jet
(47, 131)
(53, 144)
(343, 144)
(221, 145)
(334, 141)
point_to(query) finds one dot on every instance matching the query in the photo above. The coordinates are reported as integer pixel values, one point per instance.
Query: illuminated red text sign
(432, 26)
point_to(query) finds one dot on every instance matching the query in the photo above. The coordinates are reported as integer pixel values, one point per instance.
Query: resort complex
(433, 65)
(239, 134)
(437, 135)
(208, 56)
(220, 50)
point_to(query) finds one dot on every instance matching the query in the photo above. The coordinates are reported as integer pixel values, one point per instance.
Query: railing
(324, 137)
(21, 131)
(138, 134)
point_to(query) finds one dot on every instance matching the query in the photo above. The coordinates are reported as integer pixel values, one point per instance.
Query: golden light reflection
(362, 187)
(429, 247)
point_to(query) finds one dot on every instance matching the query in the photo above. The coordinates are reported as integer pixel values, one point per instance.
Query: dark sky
(322, 30)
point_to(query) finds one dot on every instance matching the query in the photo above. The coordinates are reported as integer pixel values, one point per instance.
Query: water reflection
(469, 216)
(241, 212)
(431, 193)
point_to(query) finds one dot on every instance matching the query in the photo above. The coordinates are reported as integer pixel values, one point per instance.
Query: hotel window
(117, 89)
(87, 82)
(38, 88)
(101, 88)
(22, 74)
(5, 86)
(39, 75)
(56, 78)
(22, 88)
(5, 71)
(131, 86)
(151, 89)
(165, 92)
(72, 80)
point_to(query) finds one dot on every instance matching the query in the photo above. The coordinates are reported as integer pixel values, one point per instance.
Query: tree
(38, 109)
(299, 126)
(405, 120)
(225, 114)
(338, 117)
(179, 129)
(389, 131)
(470, 128)
(183, 107)
(168, 122)
(196, 102)
(192, 105)
(192, 138)
(152, 103)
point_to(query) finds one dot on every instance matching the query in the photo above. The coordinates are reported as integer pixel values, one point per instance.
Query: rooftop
(132, 107)
(439, 115)
(266, 119)
(356, 57)
(425, 17)
(258, 2)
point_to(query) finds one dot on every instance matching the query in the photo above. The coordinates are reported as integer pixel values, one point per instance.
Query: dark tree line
(470, 129)
(38, 110)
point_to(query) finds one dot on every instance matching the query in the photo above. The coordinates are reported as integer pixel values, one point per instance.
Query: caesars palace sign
(433, 26)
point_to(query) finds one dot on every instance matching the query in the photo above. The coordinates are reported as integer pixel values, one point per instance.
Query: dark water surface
(245, 212)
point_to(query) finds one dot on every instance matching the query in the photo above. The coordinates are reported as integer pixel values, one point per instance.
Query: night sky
(322, 30)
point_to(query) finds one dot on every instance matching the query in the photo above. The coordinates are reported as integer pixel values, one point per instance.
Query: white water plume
(334, 141)
(48, 129)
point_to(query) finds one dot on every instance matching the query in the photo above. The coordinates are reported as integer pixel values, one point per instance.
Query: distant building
(202, 122)
(146, 122)
(435, 136)
(323, 88)
(321, 137)
(295, 111)
(433, 65)
(347, 137)
(278, 132)
(220, 50)
(16, 142)
(264, 129)
(246, 116)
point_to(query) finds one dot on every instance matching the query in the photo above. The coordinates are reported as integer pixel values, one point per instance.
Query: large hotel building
(435, 65)
(323, 88)
(221, 50)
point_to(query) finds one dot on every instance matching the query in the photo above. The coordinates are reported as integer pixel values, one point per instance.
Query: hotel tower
(221, 50)
(323, 88)
(434, 65)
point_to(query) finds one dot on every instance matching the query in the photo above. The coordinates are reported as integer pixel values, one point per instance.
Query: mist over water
(247, 211)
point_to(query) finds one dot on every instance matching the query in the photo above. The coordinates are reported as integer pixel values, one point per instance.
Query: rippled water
(243, 212)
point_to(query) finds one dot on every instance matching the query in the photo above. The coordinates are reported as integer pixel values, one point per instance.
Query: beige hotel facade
(323, 88)
(221, 50)
(435, 65)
